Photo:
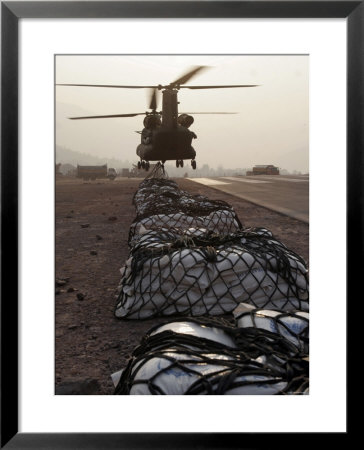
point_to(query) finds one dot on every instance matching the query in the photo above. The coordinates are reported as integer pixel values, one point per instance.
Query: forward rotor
(179, 83)
(111, 116)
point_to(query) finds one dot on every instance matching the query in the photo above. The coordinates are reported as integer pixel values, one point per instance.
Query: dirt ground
(92, 226)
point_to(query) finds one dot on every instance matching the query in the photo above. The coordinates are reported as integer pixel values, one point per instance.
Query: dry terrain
(92, 226)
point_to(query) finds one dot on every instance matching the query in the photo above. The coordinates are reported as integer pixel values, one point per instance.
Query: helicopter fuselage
(163, 137)
(164, 144)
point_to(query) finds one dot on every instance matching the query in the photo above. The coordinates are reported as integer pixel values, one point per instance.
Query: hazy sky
(271, 127)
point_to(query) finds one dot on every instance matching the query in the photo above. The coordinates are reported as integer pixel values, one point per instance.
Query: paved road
(285, 194)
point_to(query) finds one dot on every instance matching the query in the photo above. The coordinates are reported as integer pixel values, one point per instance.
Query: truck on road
(267, 169)
(94, 172)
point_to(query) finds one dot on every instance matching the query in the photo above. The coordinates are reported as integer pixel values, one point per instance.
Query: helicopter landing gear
(179, 163)
(143, 165)
(193, 164)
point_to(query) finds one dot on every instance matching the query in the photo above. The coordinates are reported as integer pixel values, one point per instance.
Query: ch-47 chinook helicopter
(166, 135)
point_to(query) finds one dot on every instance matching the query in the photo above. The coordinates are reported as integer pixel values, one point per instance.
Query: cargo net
(158, 172)
(160, 203)
(292, 326)
(197, 272)
(207, 357)
(221, 221)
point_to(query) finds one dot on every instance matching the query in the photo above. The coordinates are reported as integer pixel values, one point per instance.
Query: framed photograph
(50, 43)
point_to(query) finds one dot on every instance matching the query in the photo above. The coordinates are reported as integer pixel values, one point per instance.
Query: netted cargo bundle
(150, 189)
(157, 179)
(165, 203)
(205, 357)
(293, 326)
(222, 221)
(204, 273)
(159, 202)
(165, 197)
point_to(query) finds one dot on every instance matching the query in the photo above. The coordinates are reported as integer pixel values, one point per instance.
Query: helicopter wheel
(139, 165)
(147, 165)
(177, 163)
(193, 164)
(143, 164)
(181, 163)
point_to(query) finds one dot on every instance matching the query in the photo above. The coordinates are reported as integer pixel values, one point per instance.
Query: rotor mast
(170, 108)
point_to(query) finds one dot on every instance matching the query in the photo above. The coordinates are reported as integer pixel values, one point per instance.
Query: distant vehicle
(125, 173)
(111, 174)
(267, 169)
(95, 172)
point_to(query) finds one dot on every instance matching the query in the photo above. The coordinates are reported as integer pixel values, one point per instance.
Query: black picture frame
(11, 12)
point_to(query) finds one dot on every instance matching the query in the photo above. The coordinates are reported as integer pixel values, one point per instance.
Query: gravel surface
(92, 226)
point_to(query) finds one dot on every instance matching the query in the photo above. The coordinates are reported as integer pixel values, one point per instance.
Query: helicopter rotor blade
(108, 86)
(180, 81)
(187, 76)
(210, 112)
(108, 116)
(220, 86)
